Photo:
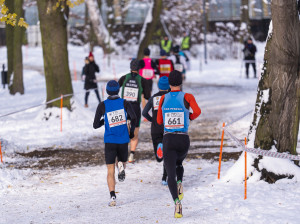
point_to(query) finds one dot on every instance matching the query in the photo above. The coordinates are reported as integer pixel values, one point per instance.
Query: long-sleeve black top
(101, 112)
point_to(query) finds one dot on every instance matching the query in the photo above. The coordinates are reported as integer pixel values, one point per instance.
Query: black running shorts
(149, 83)
(138, 113)
(113, 151)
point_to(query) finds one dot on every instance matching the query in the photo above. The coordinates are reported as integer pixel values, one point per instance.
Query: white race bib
(148, 73)
(174, 120)
(131, 94)
(165, 68)
(116, 118)
(178, 67)
(156, 102)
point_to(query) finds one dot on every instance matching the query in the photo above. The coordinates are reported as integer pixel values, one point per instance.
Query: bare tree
(53, 25)
(276, 118)
(149, 26)
(103, 38)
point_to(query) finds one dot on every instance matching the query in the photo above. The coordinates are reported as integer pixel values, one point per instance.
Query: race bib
(156, 102)
(178, 67)
(165, 69)
(148, 73)
(131, 94)
(116, 118)
(174, 120)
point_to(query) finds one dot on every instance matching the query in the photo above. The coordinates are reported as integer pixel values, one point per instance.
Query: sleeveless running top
(147, 72)
(116, 130)
(175, 114)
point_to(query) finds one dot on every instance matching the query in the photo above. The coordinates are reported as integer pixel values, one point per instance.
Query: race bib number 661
(174, 120)
(116, 118)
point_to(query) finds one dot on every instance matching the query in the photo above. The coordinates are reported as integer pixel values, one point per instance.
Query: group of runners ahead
(170, 117)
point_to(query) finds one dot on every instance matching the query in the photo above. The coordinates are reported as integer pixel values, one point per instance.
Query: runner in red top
(173, 112)
(164, 65)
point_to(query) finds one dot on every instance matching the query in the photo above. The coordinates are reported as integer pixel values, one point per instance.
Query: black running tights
(175, 148)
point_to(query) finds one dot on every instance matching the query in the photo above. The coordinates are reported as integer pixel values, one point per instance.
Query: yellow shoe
(180, 191)
(178, 209)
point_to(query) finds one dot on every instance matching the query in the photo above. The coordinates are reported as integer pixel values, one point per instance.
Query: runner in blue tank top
(173, 113)
(116, 136)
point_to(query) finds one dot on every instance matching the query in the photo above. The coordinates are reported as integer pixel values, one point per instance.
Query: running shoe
(164, 182)
(113, 202)
(180, 190)
(178, 209)
(159, 151)
(131, 158)
(121, 174)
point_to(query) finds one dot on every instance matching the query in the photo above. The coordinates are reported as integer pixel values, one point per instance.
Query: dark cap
(146, 51)
(134, 65)
(112, 88)
(175, 78)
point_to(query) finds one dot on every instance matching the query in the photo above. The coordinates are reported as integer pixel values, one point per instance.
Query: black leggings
(175, 147)
(247, 69)
(87, 93)
(156, 139)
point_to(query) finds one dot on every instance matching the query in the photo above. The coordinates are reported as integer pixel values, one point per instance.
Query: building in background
(229, 11)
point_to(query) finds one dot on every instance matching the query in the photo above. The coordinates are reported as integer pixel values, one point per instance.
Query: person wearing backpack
(249, 56)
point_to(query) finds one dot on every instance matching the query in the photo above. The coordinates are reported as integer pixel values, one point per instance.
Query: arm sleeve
(131, 114)
(141, 64)
(99, 113)
(146, 89)
(193, 104)
(147, 108)
(121, 80)
(96, 67)
(183, 61)
(159, 118)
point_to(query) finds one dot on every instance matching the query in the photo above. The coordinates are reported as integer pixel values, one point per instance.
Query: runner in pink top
(147, 71)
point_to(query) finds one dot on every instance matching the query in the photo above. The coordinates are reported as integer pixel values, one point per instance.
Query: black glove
(131, 135)
(101, 122)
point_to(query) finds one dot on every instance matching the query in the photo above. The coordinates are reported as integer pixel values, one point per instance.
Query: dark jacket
(249, 51)
(155, 127)
(90, 79)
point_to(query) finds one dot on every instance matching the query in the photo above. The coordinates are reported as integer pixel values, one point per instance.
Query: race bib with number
(156, 102)
(116, 118)
(174, 120)
(165, 69)
(131, 94)
(178, 67)
(148, 73)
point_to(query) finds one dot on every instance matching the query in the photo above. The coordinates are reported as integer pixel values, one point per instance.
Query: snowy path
(81, 196)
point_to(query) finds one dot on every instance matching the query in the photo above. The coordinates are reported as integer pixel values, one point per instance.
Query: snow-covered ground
(80, 194)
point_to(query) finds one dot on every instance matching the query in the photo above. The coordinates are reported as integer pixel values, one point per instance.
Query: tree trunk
(245, 15)
(17, 85)
(276, 118)
(10, 42)
(99, 26)
(54, 41)
(149, 26)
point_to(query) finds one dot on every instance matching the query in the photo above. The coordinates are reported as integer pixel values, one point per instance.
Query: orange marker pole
(61, 109)
(245, 170)
(1, 153)
(221, 148)
(75, 72)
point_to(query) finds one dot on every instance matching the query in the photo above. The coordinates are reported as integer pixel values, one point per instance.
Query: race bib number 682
(174, 120)
(116, 118)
